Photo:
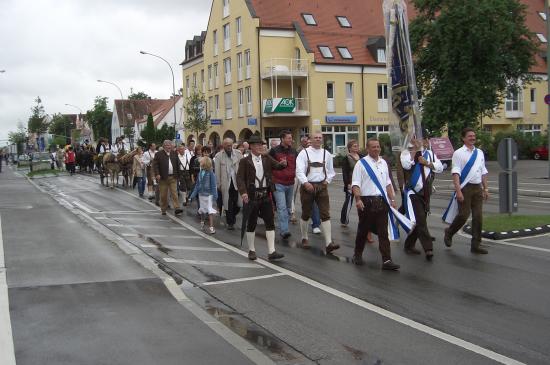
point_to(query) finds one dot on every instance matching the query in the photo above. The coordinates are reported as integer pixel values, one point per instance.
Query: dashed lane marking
(7, 350)
(221, 282)
(361, 303)
(213, 263)
(145, 227)
(186, 248)
(506, 243)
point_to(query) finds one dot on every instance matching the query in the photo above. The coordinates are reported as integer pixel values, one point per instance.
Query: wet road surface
(313, 308)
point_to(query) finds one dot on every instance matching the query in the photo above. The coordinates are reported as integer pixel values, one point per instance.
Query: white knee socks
(303, 227)
(325, 227)
(250, 240)
(270, 236)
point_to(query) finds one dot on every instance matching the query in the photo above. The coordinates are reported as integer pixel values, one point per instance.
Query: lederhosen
(260, 204)
(184, 181)
(319, 194)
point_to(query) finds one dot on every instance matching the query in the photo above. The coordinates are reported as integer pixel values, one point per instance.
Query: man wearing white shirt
(185, 172)
(419, 165)
(166, 169)
(314, 170)
(371, 206)
(470, 197)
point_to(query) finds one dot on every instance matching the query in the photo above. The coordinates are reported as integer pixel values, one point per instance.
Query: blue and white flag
(394, 217)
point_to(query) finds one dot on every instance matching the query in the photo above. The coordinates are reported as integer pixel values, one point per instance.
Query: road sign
(178, 136)
(507, 153)
(547, 98)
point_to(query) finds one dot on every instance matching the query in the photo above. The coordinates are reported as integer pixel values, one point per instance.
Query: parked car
(540, 153)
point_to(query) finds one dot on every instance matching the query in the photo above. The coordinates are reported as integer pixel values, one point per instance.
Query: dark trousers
(420, 231)
(260, 208)
(473, 203)
(373, 218)
(319, 196)
(184, 182)
(233, 208)
(346, 208)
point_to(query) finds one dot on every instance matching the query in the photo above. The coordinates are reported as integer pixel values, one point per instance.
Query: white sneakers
(317, 230)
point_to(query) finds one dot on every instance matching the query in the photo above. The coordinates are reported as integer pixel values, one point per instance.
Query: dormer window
(381, 55)
(542, 15)
(325, 51)
(541, 37)
(309, 19)
(344, 22)
(344, 53)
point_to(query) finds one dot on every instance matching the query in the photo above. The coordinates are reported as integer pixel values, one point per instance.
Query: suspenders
(316, 164)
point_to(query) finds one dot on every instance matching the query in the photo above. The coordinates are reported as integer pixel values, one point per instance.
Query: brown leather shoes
(331, 247)
(252, 255)
(305, 244)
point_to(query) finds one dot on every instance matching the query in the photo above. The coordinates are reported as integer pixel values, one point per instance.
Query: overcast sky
(58, 49)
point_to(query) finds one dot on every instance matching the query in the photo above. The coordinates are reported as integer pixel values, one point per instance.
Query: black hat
(426, 133)
(255, 139)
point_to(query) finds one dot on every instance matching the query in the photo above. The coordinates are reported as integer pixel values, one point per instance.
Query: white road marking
(7, 350)
(187, 248)
(361, 303)
(157, 235)
(213, 263)
(65, 203)
(507, 243)
(126, 211)
(144, 227)
(242, 279)
(540, 201)
(136, 219)
(83, 206)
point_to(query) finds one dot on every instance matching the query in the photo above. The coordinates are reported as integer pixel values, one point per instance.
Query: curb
(494, 190)
(511, 234)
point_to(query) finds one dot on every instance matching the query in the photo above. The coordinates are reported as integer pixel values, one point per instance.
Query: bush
(525, 142)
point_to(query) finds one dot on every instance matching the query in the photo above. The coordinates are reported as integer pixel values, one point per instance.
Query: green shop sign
(280, 105)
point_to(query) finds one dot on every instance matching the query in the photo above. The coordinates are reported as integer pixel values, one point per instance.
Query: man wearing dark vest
(166, 168)
(284, 181)
(419, 165)
(315, 171)
(471, 189)
(254, 185)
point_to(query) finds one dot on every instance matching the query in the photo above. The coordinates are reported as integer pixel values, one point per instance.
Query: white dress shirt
(407, 161)
(257, 160)
(361, 178)
(170, 167)
(148, 157)
(185, 160)
(316, 174)
(461, 158)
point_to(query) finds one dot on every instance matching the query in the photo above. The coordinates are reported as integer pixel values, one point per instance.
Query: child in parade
(205, 190)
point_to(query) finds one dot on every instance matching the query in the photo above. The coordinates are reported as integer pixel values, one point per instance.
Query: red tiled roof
(366, 20)
(139, 109)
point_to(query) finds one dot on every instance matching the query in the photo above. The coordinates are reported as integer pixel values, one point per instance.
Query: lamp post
(173, 86)
(547, 8)
(121, 97)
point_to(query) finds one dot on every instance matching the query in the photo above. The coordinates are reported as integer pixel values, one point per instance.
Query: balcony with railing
(285, 107)
(284, 68)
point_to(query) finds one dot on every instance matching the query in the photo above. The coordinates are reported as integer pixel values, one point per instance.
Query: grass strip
(505, 222)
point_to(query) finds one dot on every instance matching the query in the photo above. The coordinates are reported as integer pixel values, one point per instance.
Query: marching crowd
(264, 183)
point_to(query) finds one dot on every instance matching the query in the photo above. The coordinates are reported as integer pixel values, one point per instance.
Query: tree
(100, 118)
(468, 53)
(149, 133)
(140, 95)
(197, 120)
(60, 125)
(37, 121)
(18, 138)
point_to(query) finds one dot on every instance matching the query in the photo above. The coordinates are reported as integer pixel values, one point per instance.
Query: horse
(114, 164)
(126, 161)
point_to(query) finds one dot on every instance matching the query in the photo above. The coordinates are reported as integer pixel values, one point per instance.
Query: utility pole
(547, 5)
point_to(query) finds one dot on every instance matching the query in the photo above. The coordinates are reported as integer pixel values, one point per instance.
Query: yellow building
(302, 65)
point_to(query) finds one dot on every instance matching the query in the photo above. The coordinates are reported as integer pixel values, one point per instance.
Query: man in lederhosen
(152, 185)
(315, 171)
(184, 183)
(419, 165)
(254, 185)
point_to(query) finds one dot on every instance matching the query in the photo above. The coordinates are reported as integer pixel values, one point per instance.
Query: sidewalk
(76, 298)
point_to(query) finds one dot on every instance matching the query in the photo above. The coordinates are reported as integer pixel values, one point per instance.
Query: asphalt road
(308, 308)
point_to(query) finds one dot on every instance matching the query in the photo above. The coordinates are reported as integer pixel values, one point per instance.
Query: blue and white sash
(393, 214)
(465, 177)
(409, 189)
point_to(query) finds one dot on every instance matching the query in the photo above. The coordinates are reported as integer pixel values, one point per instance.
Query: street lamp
(173, 86)
(121, 97)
